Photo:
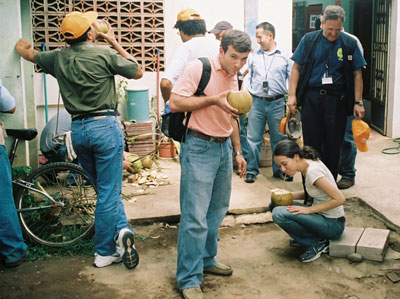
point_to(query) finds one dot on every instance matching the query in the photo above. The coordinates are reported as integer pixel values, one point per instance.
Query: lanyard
(265, 67)
(328, 56)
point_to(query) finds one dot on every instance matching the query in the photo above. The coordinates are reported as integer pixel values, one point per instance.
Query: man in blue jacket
(326, 81)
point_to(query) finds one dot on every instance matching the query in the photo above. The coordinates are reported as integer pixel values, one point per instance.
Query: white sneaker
(129, 255)
(101, 261)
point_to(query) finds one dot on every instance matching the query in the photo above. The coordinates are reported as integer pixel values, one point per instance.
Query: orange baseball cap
(361, 133)
(76, 23)
(187, 14)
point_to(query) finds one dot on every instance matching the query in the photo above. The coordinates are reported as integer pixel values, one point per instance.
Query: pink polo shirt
(210, 120)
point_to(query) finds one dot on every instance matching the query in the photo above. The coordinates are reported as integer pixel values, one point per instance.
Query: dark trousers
(324, 123)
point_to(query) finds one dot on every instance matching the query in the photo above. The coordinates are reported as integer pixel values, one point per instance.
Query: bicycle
(56, 202)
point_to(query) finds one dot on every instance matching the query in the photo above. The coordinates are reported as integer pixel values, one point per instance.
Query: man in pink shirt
(206, 160)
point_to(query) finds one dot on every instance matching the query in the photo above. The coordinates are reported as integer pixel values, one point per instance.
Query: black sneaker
(130, 256)
(345, 183)
(315, 252)
(250, 178)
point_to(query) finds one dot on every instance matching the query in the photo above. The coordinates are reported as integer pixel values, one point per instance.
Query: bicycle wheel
(66, 220)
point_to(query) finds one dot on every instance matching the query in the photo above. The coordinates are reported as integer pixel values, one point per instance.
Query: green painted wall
(15, 22)
(348, 6)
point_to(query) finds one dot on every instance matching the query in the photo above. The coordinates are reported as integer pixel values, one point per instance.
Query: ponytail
(289, 148)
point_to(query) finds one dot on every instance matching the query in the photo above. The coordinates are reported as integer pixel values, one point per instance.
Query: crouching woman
(310, 227)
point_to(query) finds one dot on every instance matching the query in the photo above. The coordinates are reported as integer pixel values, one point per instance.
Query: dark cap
(221, 26)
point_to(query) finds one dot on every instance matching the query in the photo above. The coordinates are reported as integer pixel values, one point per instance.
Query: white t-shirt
(7, 102)
(202, 46)
(316, 170)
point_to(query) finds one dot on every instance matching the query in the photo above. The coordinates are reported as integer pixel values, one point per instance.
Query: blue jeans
(260, 113)
(349, 152)
(205, 191)
(307, 230)
(99, 145)
(12, 245)
(243, 137)
(324, 119)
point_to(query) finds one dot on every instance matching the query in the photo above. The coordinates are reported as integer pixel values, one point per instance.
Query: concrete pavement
(377, 185)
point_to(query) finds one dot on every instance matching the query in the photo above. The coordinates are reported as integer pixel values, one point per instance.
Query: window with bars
(138, 25)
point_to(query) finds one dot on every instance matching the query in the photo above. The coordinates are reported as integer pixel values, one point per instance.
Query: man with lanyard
(326, 81)
(12, 246)
(269, 71)
(85, 75)
(206, 160)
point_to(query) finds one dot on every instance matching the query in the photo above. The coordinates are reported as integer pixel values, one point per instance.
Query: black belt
(327, 91)
(270, 99)
(207, 137)
(92, 114)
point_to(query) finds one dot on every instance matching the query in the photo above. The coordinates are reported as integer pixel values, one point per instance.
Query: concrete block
(254, 218)
(347, 242)
(373, 244)
(228, 221)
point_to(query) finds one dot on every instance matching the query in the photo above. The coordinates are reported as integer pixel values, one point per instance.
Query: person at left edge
(206, 160)
(85, 74)
(12, 246)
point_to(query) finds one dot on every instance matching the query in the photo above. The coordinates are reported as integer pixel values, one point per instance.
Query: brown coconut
(241, 100)
(281, 197)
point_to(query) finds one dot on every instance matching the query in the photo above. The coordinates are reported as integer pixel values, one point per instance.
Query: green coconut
(241, 100)
(147, 161)
(281, 197)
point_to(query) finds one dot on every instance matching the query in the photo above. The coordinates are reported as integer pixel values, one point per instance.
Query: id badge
(326, 80)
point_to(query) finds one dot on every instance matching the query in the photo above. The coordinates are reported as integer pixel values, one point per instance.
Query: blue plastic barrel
(138, 104)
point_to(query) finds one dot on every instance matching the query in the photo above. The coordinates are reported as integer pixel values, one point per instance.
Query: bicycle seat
(23, 134)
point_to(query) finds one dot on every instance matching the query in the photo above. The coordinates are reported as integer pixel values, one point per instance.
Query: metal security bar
(138, 25)
(380, 64)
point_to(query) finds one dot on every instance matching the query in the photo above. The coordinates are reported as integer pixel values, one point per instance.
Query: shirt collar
(261, 51)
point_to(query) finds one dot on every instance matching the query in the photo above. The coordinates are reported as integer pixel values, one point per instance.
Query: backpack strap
(240, 80)
(205, 78)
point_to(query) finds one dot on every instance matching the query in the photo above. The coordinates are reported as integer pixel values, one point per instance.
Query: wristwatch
(237, 153)
(360, 102)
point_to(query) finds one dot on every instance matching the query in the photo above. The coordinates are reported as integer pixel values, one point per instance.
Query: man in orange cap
(192, 29)
(85, 75)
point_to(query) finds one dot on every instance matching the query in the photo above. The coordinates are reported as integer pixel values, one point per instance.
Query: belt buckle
(219, 139)
(323, 92)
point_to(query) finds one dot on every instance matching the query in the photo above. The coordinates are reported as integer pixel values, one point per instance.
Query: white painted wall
(393, 117)
(279, 13)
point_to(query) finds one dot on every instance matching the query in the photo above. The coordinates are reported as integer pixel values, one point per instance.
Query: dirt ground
(264, 267)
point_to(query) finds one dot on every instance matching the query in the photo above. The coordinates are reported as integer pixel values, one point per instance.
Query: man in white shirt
(192, 29)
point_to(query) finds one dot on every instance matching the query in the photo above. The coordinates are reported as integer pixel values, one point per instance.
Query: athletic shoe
(130, 256)
(101, 261)
(315, 252)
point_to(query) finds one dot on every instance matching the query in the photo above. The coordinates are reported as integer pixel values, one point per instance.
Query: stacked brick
(143, 143)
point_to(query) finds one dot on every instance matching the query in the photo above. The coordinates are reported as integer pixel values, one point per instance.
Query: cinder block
(373, 244)
(347, 242)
